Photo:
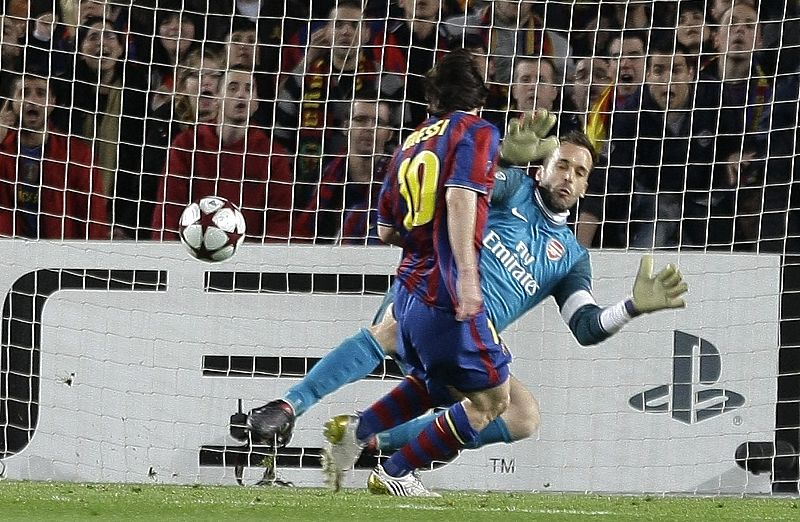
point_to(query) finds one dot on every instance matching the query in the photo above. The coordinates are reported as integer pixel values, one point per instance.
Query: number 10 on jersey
(419, 179)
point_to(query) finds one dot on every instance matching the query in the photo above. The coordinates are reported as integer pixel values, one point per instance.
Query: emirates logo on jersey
(555, 250)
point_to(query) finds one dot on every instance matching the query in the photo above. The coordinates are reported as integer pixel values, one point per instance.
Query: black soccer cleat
(238, 425)
(271, 424)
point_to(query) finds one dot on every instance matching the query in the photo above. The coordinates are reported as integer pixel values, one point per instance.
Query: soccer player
(524, 213)
(434, 204)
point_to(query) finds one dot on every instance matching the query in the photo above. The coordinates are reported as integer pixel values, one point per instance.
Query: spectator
(534, 85)
(108, 102)
(177, 34)
(107, 10)
(717, 8)
(593, 25)
(626, 68)
(757, 113)
(410, 46)
(49, 48)
(511, 29)
(663, 154)
(196, 100)
(11, 46)
(242, 50)
(590, 81)
(48, 189)
(315, 99)
(343, 209)
(232, 160)
(282, 36)
(634, 15)
(693, 31)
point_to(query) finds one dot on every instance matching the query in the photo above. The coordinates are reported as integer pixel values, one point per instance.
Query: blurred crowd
(116, 114)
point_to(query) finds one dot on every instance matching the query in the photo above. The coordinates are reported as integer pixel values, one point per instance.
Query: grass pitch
(40, 501)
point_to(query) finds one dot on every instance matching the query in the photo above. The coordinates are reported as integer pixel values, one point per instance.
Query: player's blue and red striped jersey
(456, 150)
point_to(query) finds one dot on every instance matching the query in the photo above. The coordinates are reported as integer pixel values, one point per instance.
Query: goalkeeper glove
(526, 139)
(663, 291)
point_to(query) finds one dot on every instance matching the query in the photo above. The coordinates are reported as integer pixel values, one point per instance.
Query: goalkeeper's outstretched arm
(592, 324)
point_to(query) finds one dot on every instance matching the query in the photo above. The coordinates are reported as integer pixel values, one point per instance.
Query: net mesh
(114, 115)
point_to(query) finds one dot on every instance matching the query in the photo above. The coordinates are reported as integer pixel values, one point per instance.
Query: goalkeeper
(528, 254)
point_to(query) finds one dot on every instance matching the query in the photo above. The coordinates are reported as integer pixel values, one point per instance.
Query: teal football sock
(399, 436)
(349, 362)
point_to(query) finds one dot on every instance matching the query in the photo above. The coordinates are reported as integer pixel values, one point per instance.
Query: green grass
(35, 501)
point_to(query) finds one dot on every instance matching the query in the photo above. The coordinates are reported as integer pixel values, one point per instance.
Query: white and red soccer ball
(212, 228)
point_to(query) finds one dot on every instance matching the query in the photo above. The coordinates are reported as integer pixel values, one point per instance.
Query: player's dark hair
(455, 84)
(580, 139)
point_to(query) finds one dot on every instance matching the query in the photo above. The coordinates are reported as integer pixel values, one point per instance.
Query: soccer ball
(212, 228)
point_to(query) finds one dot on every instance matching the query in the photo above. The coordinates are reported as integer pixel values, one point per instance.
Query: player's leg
(349, 362)
(519, 421)
(346, 434)
(440, 441)
(466, 355)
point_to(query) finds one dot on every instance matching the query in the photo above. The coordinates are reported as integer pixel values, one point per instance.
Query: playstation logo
(695, 364)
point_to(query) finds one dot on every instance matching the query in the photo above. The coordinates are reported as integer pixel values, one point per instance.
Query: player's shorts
(467, 355)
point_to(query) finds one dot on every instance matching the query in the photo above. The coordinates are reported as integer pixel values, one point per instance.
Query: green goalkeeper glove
(526, 139)
(663, 291)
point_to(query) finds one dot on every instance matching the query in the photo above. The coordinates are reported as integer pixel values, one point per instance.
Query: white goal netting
(114, 115)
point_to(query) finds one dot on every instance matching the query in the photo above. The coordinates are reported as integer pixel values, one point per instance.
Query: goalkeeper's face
(564, 177)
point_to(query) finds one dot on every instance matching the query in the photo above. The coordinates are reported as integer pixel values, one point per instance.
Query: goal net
(115, 115)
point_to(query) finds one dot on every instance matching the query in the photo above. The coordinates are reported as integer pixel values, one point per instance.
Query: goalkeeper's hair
(455, 84)
(580, 139)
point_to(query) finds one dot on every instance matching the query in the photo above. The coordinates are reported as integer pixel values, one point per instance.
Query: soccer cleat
(341, 450)
(271, 424)
(381, 483)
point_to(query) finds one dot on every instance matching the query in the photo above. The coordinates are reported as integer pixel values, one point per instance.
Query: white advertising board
(135, 382)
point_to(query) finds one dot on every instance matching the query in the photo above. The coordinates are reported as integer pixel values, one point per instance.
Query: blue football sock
(349, 362)
(399, 436)
(439, 440)
(406, 401)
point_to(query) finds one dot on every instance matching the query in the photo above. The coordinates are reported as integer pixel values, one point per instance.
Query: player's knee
(384, 333)
(523, 419)
(491, 409)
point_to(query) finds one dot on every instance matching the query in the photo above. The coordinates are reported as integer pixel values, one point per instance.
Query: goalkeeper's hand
(663, 291)
(526, 141)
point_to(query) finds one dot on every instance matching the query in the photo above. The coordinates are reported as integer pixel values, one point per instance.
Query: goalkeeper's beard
(551, 201)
